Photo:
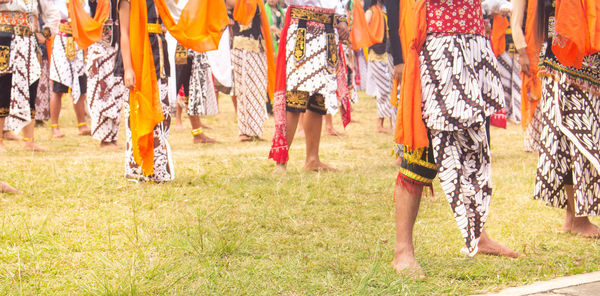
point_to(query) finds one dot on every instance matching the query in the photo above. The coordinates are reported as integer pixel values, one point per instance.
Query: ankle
(404, 250)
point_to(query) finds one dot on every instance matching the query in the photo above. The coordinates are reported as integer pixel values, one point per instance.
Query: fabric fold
(87, 30)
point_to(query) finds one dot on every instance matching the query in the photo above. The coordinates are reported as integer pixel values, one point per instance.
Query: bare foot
(32, 146)
(179, 126)
(5, 188)
(280, 169)
(203, 139)
(57, 133)
(567, 224)
(487, 246)
(245, 138)
(330, 131)
(204, 126)
(317, 166)
(10, 136)
(108, 145)
(84, 130)
(382, 130)
(116, 145)
(406, 264)
(582, 226)
(2, 148)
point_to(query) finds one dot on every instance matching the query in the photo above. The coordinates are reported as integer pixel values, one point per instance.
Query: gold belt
(16, 30)
(65, 28)
(155, 28)
(313, 16)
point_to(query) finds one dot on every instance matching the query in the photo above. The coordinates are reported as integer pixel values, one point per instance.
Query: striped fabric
(202, 97)
(250, 87)
(379, 85)
(511, 82)
(105, 92)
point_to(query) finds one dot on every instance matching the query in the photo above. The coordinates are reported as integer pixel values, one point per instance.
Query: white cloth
(21, 6)
(490, 7)
(61, 5)
(50, 15)
(220, 61)
(328, 4)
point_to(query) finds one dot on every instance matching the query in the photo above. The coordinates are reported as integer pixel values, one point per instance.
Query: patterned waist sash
(330, 20)
(157, 29)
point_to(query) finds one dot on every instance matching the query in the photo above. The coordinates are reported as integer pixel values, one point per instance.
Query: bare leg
(380, 128)
(313, 123)
(407, 208)
(487, 246)
(29, 139)
(11, 136)
(300, 131)
(234, 101)
(2, 148)
(55, 105)
(577, 225)
(201, 137)
(292, 119)
(329, 130)
(178, 121)
(5, 188)
(84, 130)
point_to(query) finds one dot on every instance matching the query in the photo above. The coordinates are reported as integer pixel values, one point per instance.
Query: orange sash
(410, 129)
(199, 28)
(359, 33)
(577, 30)
(244, 12)
(87, 30)
(531, 88)
(377, 25)
(498, 37)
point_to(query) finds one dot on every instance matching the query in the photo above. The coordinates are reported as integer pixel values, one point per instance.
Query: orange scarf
(410, 129)
(197, 29)
(87, 30)
(244, 12)
(359, 33)
(498, 37)
(377, 25)
(577, 30)
(531, 88)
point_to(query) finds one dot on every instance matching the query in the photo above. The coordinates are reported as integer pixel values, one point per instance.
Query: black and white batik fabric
(380, 73)
(460, 88)
(312, 73)
(351, 69)
(250, 87)
(105, 92)
(25, 67)
(569, 150)
(510, 71)
(42, 100)
(531, 140)
(163, 162)
(64, 70)
(202, 97)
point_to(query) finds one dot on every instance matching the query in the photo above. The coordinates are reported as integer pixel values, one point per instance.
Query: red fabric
(498, 119)
(455, 17)
(342, 90)
(412, 186)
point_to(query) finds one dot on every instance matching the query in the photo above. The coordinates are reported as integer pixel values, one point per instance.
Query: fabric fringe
(412, 186)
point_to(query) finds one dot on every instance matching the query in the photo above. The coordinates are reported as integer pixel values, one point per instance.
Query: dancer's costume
(19, 63)
(450, 86)
(570, 107)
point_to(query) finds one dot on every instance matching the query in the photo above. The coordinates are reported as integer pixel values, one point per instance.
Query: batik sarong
(66, 69)
(569, 150)
(202, 99)
(531, 140)
(250, 87)
(105, 92)
(511, 81)
(351, 69)
(25, 68)
(163, 162)
(380, 73)
(42, 101)
(461, 87)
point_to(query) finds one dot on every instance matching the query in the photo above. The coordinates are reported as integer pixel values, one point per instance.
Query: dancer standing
(568, 173)
(309, 72)
(449, 87)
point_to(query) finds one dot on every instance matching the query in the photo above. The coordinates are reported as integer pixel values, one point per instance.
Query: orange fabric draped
(359, 33)
(531, 88)
(576, 25)
(498, 37)
(146, 110)
(199, 28)
(87, 30)
(243, 13)
(410, 129)
(377, 25)
(200, 24)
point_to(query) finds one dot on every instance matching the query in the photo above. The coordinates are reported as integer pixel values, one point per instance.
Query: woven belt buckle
(4, 57)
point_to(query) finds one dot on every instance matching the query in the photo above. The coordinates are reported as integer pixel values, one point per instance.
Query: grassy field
(226, 226)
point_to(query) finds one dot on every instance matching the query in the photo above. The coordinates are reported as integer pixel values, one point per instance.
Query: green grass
(226, 226)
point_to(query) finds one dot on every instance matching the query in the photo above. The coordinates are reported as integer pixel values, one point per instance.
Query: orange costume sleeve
(531, 88)
(410, 129)
(577, 30)
(199, 28)
(244, 12)
(87, 30)
(498, 37)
